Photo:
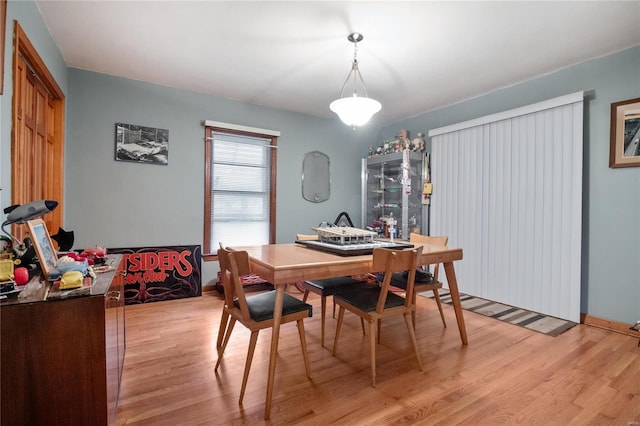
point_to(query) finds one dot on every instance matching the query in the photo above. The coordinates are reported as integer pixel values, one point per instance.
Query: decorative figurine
(391, 225)
(64, 239)
(418, 143)
(401, 143)
(403, 138)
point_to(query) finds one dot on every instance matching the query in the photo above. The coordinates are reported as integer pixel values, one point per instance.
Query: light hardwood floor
(506, 375)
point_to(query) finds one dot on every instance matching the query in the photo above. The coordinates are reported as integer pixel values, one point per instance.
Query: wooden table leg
(455, 299)
(273, 355)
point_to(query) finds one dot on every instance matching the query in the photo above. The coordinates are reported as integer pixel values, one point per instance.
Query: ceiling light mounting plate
(355, 37)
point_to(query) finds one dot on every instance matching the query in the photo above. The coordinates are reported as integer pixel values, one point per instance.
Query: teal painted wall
(129, 204)
(611, 197)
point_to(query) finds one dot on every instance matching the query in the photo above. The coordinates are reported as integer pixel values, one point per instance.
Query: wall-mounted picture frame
(43, 245)
(624, 150)
(142, 144)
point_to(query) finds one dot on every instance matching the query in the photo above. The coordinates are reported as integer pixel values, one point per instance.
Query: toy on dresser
(67, 264)
(73, 267)
(95, 255)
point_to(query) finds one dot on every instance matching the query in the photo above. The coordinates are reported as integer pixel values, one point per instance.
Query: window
(240, 187)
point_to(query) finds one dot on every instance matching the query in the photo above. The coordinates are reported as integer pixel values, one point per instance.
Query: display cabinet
(392, 189)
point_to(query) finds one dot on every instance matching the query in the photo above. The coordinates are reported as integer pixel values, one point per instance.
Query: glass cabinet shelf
(392, 189)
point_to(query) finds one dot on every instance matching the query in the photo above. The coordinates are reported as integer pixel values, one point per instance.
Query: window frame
(210, 253)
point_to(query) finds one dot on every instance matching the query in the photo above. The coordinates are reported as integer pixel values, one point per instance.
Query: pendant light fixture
(354, 109)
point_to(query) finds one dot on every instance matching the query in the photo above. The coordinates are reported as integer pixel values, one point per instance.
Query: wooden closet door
(37, 138)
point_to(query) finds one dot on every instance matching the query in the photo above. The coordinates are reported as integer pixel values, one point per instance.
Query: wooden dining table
(282, 264)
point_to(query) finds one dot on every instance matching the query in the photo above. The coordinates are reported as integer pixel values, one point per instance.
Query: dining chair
(255, 311)
(324, 288)
(249, 281)
(427, 281)
(376, 302)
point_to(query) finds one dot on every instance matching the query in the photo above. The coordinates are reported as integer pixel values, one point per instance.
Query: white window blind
(240, 189)
(507, 189)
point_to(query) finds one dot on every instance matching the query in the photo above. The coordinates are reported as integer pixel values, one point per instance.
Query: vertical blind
(507, 189)
(240, 188)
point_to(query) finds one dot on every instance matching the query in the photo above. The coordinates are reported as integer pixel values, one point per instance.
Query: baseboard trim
(618, 327)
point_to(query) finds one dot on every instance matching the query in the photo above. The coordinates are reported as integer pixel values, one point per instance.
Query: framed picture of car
(142, 144)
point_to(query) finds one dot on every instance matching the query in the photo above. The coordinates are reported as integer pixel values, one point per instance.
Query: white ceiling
(294, 55)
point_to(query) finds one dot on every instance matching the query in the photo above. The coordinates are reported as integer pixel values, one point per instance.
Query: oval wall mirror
(316, 179)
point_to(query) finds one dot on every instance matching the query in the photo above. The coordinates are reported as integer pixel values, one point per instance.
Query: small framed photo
(43, 245)
(624, 150)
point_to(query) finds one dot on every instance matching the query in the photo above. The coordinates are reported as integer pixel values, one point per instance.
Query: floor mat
(535, 321)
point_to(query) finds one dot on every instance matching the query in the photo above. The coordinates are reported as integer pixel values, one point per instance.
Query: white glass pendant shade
(355, 110)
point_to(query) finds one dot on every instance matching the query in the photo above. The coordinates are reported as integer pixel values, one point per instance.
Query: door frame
(22, 46)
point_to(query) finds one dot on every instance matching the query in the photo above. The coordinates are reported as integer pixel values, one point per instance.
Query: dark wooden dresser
(61, 360)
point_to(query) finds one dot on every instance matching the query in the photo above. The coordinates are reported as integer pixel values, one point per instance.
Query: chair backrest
(390, 261)
(306, 237)
(225, 275)
(233, 264)
(432, 241)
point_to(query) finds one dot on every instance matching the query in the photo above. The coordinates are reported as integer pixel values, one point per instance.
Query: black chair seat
(366, 298)
(329, 286)
(399, 279)
(261, 306)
